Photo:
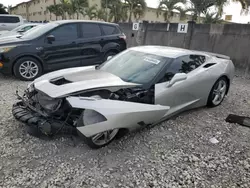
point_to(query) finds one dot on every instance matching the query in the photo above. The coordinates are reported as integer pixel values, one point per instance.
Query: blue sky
(232, 9)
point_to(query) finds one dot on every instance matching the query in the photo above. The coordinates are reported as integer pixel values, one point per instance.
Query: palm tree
(101, 14)
(51, 11)
(202, 6)
(65, 8)
(167, 7)
(9, 8)
(212, 18)
(91, 12)
(78, 6)
(136, 7)
(183, 12)
(57, 10)
(3, 9)
(118, 11)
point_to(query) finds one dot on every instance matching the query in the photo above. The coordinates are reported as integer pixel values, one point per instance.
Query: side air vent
(209, 65)
(60, 81)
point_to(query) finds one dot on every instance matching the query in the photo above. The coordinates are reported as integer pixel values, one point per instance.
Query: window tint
(65, 32)
(109, 29)
(28, 28)
(9, 19)
(184, 64)
(90, 30)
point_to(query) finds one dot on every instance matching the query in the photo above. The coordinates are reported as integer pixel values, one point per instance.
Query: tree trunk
(77, 15)
(130, 15)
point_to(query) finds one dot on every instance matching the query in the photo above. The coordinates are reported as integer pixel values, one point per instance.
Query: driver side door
(180, 96)
(63, 52)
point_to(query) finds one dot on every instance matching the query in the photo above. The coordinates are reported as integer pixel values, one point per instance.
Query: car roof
(83, 21)
(170, 52)
(12, 15)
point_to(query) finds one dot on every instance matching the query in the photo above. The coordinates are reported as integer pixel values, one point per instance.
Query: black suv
(60, 44)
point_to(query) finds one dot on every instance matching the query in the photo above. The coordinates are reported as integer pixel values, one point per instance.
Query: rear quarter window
(9, 19)
(110, 30)
(90, 30)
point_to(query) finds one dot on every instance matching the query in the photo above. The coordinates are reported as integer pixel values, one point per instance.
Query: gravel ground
(176, 153)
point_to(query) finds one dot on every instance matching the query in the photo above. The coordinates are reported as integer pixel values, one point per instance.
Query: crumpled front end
(89, 112)
(43, 114)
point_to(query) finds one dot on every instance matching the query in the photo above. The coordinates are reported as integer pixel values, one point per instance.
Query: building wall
(35, 10)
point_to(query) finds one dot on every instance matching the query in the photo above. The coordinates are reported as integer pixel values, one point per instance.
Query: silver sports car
(140, 86)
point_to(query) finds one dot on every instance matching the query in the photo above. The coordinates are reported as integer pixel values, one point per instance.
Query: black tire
(210, 102)
(22, 60)
(88, 140)
(109, 53)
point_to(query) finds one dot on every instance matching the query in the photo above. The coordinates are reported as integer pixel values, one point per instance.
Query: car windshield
(18, 28)
(39, 31)
(135, 66)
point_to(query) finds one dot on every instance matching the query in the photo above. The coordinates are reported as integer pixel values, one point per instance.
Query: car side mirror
(177, 78)
(109, 57)
(51, 38)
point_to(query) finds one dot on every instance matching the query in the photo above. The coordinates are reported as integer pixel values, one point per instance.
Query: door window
(90, 30)
(9, 19)
(184, 64)
(65, 32)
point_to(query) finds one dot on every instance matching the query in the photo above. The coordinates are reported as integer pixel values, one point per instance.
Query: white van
(9, 22)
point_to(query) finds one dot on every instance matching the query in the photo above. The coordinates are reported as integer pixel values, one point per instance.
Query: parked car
(60, 44)
(20, 30)
(136, 88)
(9, 22)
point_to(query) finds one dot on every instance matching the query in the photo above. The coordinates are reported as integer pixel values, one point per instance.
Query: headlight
(6, 48)
(49, 103)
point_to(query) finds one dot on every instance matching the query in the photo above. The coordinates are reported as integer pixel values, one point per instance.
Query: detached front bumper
(38, 125)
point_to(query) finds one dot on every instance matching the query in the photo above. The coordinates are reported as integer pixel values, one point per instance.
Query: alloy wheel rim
(28, 69)
(219, 92)
(104, 137)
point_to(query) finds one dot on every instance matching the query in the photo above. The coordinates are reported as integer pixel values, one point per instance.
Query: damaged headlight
(48, 103)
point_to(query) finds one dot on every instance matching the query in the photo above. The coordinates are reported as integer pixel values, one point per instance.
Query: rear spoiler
(218, 55)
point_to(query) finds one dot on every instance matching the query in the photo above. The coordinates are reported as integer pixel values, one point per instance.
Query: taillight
(123, 36)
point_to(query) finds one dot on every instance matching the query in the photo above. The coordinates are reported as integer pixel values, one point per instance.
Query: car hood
(4, 32)
(9, 40)
(10, 33)
(67, 81)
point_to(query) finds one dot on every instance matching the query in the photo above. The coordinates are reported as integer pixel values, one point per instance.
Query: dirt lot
(176, 153)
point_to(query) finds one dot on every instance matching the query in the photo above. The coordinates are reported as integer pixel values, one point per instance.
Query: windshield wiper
(19, 36)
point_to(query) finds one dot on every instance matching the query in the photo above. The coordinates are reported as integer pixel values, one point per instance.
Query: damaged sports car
(140, 86)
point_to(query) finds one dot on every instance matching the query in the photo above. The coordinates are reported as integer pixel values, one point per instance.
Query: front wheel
(27, 69)
(218, 92)
(101, 139)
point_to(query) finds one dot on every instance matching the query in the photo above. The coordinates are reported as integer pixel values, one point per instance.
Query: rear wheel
(218, 92)
(27, 68)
